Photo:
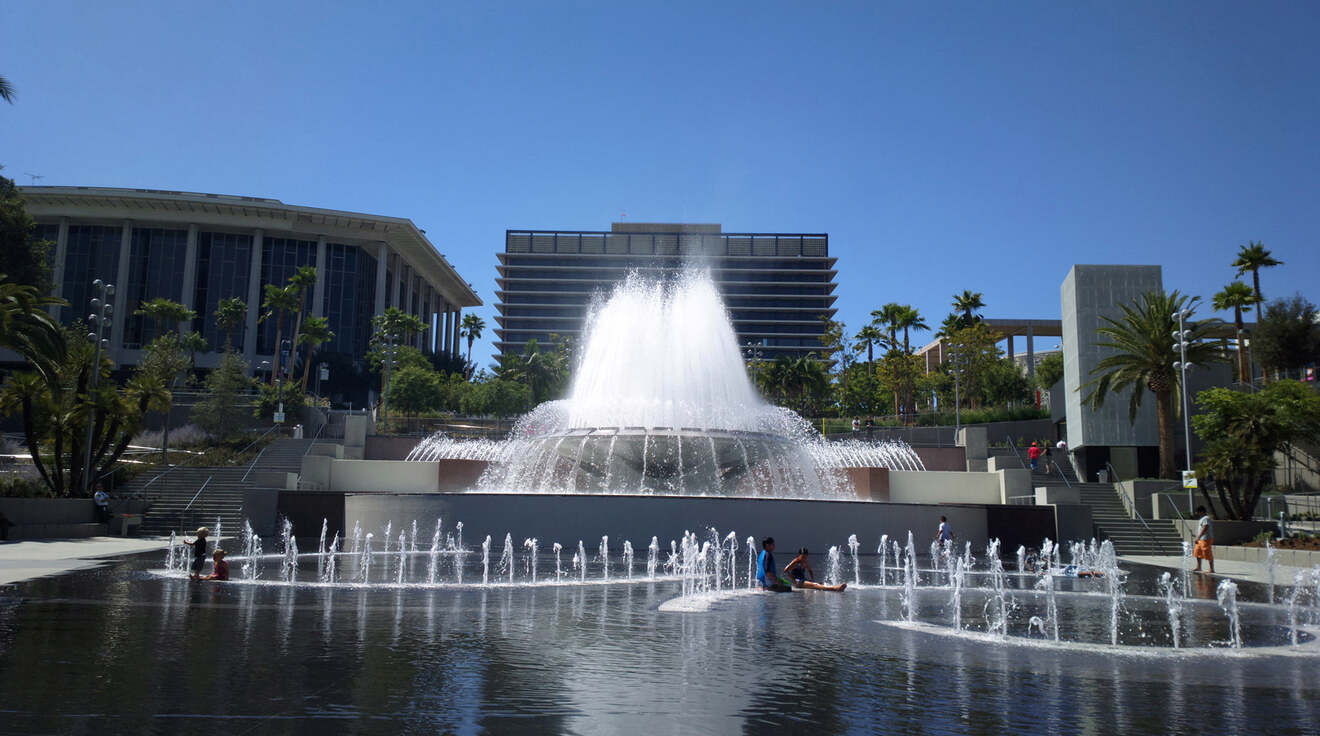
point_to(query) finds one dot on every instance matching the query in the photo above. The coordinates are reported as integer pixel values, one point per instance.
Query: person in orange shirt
(1205, 541)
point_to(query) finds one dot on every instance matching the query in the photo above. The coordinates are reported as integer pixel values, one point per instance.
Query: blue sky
(943, 146)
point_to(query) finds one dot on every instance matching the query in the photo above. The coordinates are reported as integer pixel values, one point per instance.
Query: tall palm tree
(1237, 296)
(230, 315)
(471, 330)
(28, 329)
(1253, 257)
(1143, 359)
(302, 280)
(968, 302)
(165, 313)
(869, 337)
(886, 318)
(279, 299)
(7, 91)
(909, 319)
(316, 332)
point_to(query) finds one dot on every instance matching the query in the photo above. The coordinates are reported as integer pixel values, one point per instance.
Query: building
(197, 249)
(777, 286)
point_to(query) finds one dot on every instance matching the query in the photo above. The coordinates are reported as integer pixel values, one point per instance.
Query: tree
(414, 390)
(230, 315)
(224, 412)
(57, 411)
(279, 299)
(471, 330)
(1049, 371)
(1236, 296)
(315, 333)
(300, 282)
(1288, 338)
(162, 362)
(193, 343)
(1003, 383)
(1143, 358)
(164, 313)
(28, 329)
(972, 351)
(1242, 431)
(7, 92)
(868, 337)
(23, 257)
(968, 303)
(908, 318)
(1253, 257)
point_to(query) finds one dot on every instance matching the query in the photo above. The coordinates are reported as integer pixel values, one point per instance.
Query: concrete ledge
(1290, 557)
(57, 531)
(1056, 495)
(1226, 531)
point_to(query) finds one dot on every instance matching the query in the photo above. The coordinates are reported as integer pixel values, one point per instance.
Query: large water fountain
(661, 403)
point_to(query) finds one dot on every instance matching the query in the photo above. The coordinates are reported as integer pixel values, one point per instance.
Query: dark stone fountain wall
(794, 523)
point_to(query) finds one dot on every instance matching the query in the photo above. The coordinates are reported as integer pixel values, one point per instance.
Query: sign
(323, 373)
(279, 417)
(1189, 479)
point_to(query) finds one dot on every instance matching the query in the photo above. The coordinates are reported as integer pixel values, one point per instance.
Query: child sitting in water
(219, 568)
(804, 577)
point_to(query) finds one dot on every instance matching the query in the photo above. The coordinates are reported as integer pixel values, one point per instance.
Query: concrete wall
(383, 475)
(259, 506)
(872, 484)
(1088, 294)
(568, 518)
(50, 518)
(1290, 557)
(385, 447)
(1225, 531)
(942, 458)
(935, 486)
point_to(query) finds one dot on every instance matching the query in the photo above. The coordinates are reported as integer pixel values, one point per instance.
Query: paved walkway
(1250, 571)
(34, 558)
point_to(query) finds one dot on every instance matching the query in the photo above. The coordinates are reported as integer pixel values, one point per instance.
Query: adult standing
(102, 501)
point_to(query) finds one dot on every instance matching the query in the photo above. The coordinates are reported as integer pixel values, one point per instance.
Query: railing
(1022, 500)
(253, 464)
(193, 500)
(1013, 446)
(1131, 505)
(1058, 468)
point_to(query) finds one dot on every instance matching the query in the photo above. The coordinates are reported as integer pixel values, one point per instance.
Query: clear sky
(942, 145)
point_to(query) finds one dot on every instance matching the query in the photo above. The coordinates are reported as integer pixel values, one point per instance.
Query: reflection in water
(589, 658)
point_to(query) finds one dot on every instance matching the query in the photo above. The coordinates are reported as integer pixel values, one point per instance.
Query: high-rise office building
(778, 287)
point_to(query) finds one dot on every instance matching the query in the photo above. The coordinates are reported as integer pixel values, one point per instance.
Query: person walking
(1034, 455)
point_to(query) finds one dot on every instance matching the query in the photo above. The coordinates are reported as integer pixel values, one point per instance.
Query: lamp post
(100, 319)
(754, 354)
(1181, 366)
(385, 392)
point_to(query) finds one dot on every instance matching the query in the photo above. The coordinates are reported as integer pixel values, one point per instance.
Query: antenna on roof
(35, 177)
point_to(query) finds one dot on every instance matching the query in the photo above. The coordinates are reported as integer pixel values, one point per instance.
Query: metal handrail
(196, 495)
(1132, 507)
(315, 437)
(1059, 469)
(1013, 446)
(253, 464)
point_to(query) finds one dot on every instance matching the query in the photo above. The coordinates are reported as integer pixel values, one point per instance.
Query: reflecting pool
(128, 649)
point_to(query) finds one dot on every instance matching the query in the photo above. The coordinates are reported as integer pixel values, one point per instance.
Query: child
(199, 552)
(219, 569)
(1034, 455)
(804, 577)
(765, 569)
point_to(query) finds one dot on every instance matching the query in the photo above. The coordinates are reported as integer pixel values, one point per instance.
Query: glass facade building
(197, 249)
(777, 287)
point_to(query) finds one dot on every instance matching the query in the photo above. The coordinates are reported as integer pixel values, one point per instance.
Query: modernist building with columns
(197, 249)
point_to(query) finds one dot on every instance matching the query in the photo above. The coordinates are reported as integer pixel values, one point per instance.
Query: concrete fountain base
(815, 524)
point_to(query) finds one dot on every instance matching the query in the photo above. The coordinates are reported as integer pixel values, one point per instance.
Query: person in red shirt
(1034, 454)
(219, 568)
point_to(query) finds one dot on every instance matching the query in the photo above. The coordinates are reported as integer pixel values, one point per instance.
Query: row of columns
(446, 327)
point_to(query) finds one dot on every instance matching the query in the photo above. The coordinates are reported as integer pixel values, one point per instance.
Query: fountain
(883, 551)
(666, 410)
(1227, 593)
(1173, 605)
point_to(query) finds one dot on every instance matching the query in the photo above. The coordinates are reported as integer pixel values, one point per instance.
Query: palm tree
(316, 332)
(192, 344)
(230, 315)
(165, 313)
(1253, 257)
(279, 299)
(1143, 359)
(28, 329)
(1236, 296)
(967, 303)
(886, 318)
(869, 336)
(909, 318)
(302, 280)
(7, 92)
(471, 329)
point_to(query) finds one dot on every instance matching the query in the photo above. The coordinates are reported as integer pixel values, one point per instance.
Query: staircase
(176, 504)
(283, 456)
(1129, 536)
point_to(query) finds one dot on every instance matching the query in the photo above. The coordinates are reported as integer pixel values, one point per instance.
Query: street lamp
(1181, 365)
(100, 319)
(390, 337)
(754, 354)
